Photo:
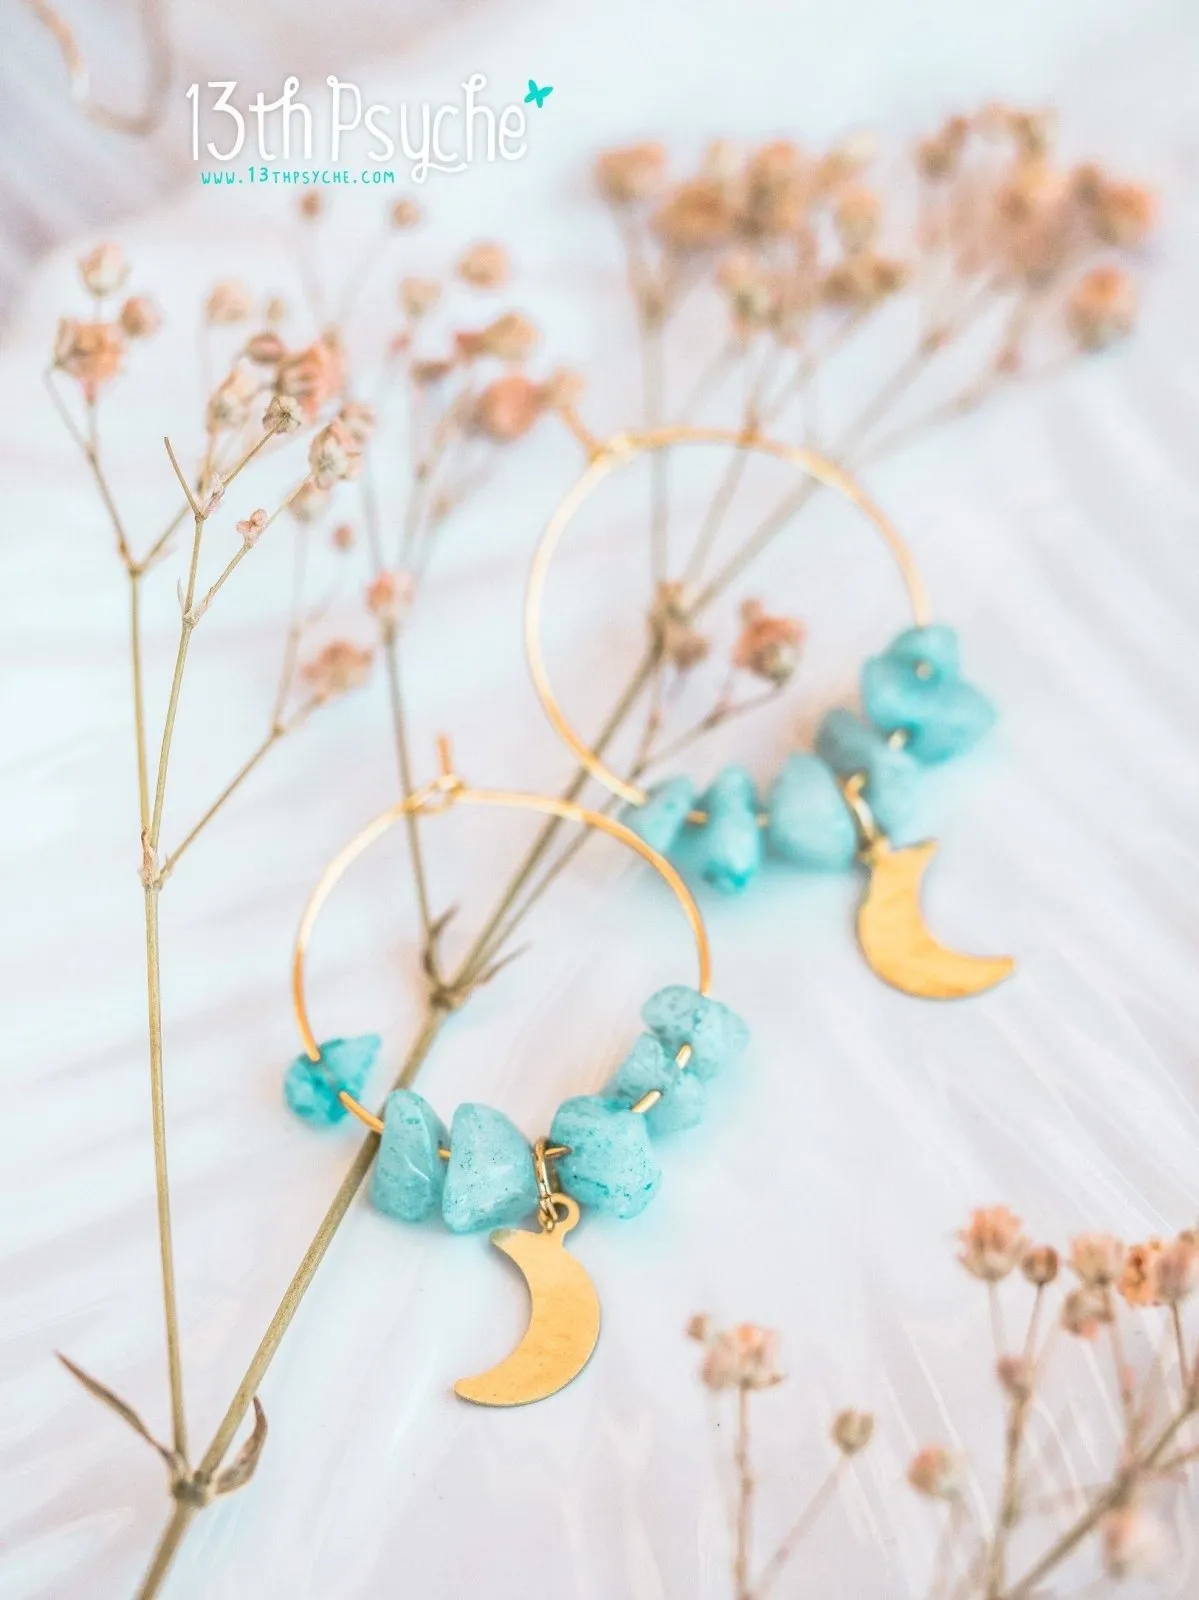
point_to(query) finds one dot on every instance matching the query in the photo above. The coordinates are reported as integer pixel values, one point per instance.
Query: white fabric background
(1057, 530)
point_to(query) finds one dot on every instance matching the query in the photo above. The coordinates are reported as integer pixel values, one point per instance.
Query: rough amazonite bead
(850, 745)
(660, 820)
(489, 1179)
(729, 846)
(647, 1066)
(611, 1166)
(311, 1087)
(915, 688)
(680, 1015)
(810, 824)
(409, 1173)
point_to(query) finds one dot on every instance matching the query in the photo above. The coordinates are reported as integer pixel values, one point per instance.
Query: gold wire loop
(431, 799)
(618, 450)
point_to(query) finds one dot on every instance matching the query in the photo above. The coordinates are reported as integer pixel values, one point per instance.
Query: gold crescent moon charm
(895, 941)
(564, 1319)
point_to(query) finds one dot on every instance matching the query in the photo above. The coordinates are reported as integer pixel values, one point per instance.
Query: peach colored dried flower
(992, 1243)
(229, 405)
(750, 291)
(484, 266)
(845, 160)
(1138, 1281)
(104, 270)
(855, 217)
(1176, 1269)
(507, 408)
(697, 216)
(405, 214)
(852, 1431)
(312, 377)
(1102, 308)
(388, 596)
(253, 526)
(682, 644)
(276, 309)
(511, 337)
(1032, 132)
(744, 1357)
(266, 349)
(1040, 1265)
(777, 187)
(334, 453)
(769, 647)
(140, 317)
(1124, 214)
(937, 157)
(425, 373)
(418, 296)
(359, 418)
(340, 667)
(90, 352)
(936, 1472)
(342, 537)
(1098, 1258)
(311, 204)
(228, 302)
(635, 172)
(1131, 1541)
(310, 502)
(562, 389)
(699, 1327)
(863, 281)
(1085, 1311)
(283, 415)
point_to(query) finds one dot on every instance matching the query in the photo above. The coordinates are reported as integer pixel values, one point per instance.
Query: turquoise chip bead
(810, 824)
(914, 687)
(311, 1087)
(409, 1173)
(680, 1015)
(850, 745)
(647, 1066)
(660, 820)
(611, 1166)
(729, 845)
(489, 1179)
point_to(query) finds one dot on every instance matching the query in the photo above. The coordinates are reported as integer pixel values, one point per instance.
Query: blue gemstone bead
(311, 1087)
(489, 1179)
(647, 1066)
(915, 687)
(850, 745)
(680, 1015)
(660, 820)
(409, 1173)
(729, 846)
(611, 1166)
(810, 824)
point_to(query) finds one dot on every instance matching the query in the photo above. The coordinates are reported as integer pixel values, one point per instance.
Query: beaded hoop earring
(843, 801)
(482, 1172)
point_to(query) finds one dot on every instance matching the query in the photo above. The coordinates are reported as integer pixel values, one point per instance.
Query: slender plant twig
(799, 1529)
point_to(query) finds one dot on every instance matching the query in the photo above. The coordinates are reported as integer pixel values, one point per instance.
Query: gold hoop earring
(844, 801)
(481, 1172)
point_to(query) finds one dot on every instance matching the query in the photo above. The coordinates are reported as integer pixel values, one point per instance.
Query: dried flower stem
(800, 1528)
(743, 1522)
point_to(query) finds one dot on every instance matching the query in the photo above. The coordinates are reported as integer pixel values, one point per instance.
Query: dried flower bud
(1132, 1542)
(1102, 308)
(140, 317)
(359, 419)
(936, 1472)
(845, 160)
(388, 596)
(427, 373)
(1085, 1311)
(313, 376)
(276, 309)
(750, 292)
(405, 214)
(216, 493)
(311, 204)
(283, 415)
(310, 502)
(1032, 132)
(777, 188)
(228, 302)
(507, 408)
(744, 1357)
(937, 157)
(1124, 214)
(1015, 1376)
(1138, 1281)
(252, 526)
(266, 349)
(697, 216)
(683, 646)
(852, 1431)
(636, 172)
(342, 537)
(418, 296)
(699, 1327)
(90, 352)
(104, 270)
(1040, 1265)
(1176, 1270)
(992, 1243)
(562, 389)
(863, 281)
(511, 337)
(484, 266)
(229, 405)
(855, 217)
(1098, 1258)
(334, 454)
(769, 647)
(340, 667)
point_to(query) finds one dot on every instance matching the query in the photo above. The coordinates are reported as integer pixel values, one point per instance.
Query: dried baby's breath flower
(104, 270)
(991, 1243)
(418, 296)
(342, 537)
(90, 352)
(340, 667)
(562, 390)
(635, 172)
(359, 418)
(484, 266)
(310, 502)
(405, 213)
(311, 204)
(937, 157)
(229, 405)
(389, 595)
(139, 317)
(845, 160)
(1102, 308)
(511, 337)
(1085, 1311)
(253, 526)
(334, 453)
(852, 1431)
(936, 1472)
(1032, 132)
(228, 302)
(776, 191)
(744, 1357)
(283, 415)
(697, 216)
(863, 281)
(1015, 1374)
(276, 309)
(683, 646)
(1124, 214)
(749, 289)
(1040, 1265)
(507, 408)
(427, 373)
(1097, 1258)
(312, 376)
(1131, 1540)
(1176, 1269)
(1138, 1281)
(769, 647)
(266, 349)
(855, 217)
(699, 1327)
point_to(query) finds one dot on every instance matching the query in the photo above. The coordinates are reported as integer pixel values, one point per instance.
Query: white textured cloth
(1056, 529)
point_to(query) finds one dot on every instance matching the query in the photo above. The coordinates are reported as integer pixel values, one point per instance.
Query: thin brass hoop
(434, 798)
(608, 454)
